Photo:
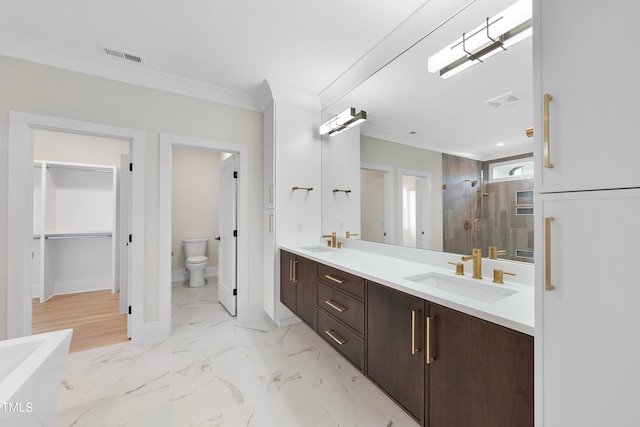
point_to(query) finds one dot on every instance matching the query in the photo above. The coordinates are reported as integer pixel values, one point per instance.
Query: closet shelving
(74, 227)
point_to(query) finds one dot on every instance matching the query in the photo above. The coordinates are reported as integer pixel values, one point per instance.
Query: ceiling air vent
(127, 56)
(506, 100)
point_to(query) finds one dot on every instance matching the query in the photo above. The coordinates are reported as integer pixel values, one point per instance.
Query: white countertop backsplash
(390, 265)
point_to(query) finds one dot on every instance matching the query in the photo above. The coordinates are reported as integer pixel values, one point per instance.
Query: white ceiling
(224, 50)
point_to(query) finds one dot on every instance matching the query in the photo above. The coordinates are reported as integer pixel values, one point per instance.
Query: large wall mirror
(441, 163)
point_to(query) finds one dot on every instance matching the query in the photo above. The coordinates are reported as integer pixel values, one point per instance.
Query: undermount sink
(480, 291)
(317, 248)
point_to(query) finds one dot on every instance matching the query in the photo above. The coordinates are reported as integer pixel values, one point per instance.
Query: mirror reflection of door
(416, 217)
(372, 202)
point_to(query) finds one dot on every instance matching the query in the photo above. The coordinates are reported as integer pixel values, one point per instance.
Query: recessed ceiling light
(413, 132)
(500, 144)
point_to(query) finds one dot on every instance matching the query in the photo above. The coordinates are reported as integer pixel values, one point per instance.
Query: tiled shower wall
(500, 225)
(460, 203)
(493, 204)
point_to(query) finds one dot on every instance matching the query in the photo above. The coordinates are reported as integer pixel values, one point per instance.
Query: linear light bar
(495, 35)
(343, 121)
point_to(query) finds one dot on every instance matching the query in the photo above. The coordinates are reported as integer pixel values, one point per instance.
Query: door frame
(167, 142)
(20, 215)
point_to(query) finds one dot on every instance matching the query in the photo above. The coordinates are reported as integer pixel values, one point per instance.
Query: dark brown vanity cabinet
(481, 375)
(446, 368)
(341, 312)
(298, 286)
(395, 346)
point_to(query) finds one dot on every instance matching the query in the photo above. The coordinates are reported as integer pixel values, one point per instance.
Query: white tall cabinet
(74, 223)
(587, 208)
(292, 152)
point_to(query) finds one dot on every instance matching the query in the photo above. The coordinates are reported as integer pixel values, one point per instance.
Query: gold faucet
(331, 242)
(477, 262)
(349, 235)
(494, 252)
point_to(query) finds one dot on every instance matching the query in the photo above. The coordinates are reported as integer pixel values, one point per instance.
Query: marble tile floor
(216, 371)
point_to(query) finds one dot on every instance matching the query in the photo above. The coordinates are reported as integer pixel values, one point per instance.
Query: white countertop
(514, 311)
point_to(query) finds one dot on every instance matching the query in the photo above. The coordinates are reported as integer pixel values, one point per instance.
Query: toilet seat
(197, 260)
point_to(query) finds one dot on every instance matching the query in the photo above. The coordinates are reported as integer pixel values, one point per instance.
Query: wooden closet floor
(94, 317)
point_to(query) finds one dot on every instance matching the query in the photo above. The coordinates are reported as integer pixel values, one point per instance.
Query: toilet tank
(195, 247)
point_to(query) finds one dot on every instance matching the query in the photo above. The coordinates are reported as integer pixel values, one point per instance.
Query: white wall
(341, 170)
(194, 201)
(34, 88)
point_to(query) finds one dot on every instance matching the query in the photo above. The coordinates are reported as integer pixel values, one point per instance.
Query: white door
(227, 229)
(589, 327)
(124, 217)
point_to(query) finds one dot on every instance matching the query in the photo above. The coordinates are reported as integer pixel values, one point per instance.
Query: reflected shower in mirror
(440, 164)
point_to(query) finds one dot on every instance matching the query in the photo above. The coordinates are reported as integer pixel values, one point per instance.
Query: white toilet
(196, 261)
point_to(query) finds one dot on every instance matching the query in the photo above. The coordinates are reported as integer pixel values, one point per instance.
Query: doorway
(376, 182)
(77, 239)
(415, 205)
(167, 143)
(22, 130)
(203, 206)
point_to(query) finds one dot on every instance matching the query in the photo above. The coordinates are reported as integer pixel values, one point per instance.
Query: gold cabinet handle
(546, 144)
(414, 349)
(335, 306)
(293, 271)
(334, 279)
(547, 254)
(340, 341)
(430, 357)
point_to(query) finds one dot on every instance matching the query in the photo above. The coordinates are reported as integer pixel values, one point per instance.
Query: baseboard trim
(182, 275)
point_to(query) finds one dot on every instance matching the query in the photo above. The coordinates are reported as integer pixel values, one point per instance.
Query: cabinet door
(288, 288)
(584, 62)
(305, 274)
(395, 346)
(482, 375)
(588, 342)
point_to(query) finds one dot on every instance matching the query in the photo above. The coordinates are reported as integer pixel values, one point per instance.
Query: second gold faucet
(477, 262)
(333, 240)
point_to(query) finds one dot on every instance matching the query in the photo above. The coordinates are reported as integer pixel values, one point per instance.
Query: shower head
(473, 183)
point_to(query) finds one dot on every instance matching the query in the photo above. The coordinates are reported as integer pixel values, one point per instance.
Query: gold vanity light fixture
(343, 121)
(492, 36)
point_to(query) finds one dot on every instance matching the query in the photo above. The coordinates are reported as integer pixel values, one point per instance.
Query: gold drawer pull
(414, 350)
(334, 279)
(546, 144)
(547, 254)
(430, 358)
(335, 306)
(340, 341)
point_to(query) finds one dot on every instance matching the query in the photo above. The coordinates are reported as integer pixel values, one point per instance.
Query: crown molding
(28, 50)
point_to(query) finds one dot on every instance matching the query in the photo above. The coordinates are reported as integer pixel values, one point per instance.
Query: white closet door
(122, 240)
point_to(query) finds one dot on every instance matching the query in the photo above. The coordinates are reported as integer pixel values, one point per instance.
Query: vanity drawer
(343, 307)
(345, 341)
(349, 283)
